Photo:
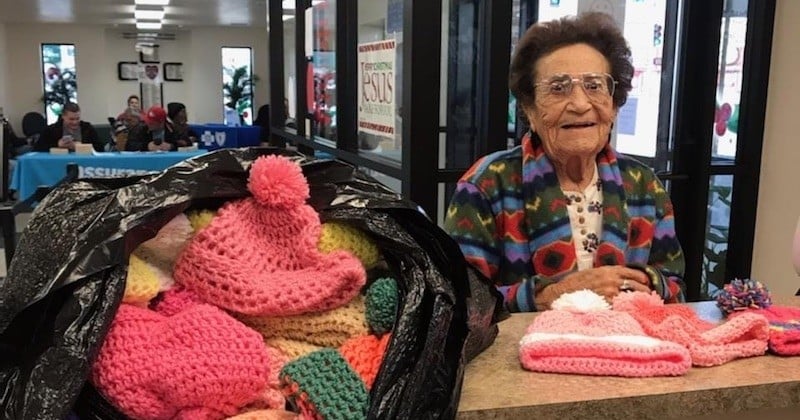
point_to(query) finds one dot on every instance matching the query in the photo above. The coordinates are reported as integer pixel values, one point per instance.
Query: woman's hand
(607, 281)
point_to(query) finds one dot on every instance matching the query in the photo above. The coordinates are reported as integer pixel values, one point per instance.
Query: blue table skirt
(218, 136)
(43, 169)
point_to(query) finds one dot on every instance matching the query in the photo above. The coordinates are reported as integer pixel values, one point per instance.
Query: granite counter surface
(497, 387)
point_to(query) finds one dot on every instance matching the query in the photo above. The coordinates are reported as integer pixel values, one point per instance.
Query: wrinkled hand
(607, 281)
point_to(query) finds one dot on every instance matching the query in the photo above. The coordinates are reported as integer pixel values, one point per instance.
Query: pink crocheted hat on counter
(709, 344)
(784, 328)
(582, 335)
(259, 255)
(199, 363)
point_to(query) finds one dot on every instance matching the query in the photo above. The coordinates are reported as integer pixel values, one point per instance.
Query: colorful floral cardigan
(509, 216)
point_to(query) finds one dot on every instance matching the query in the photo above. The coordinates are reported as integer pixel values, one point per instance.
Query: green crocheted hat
(381, 305)
(323, 384)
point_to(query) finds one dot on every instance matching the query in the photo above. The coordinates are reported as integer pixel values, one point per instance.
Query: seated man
(67, 130)
(151, 134)
(178, 130)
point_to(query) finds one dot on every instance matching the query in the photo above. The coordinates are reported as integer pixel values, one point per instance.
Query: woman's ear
(527, 111)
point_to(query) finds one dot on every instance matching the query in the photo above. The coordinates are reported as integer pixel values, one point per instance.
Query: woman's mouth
(578, 125)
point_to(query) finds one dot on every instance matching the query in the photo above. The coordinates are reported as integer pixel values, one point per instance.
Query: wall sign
(376, 94)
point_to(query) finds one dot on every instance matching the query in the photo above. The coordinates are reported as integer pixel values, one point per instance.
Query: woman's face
(180, 117)
(575, 124)
(133, 103)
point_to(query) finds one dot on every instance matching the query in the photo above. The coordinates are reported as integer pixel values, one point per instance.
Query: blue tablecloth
(40, 168)
(218, 136)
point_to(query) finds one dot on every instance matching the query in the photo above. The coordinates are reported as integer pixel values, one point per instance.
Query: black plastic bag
(68, 276)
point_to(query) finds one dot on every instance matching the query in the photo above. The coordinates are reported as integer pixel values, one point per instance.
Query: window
(323, 70)
(636, 130)
(59, 78)
(289, 65)
(729, 81)
(237, 85)
(380, 56)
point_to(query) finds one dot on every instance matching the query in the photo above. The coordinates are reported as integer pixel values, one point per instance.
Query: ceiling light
(140, 14)
(287, 17)
(152, 26)
(153, 2)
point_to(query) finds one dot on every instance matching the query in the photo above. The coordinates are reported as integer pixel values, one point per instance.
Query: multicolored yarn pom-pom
(741, 294)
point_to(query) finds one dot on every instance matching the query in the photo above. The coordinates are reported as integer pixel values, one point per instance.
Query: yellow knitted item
(161, 251)
(200, 218)
(327, 329)
(292, 349)
(336, 236)
(142, 283)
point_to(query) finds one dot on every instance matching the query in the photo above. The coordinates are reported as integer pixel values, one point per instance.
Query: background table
(40, 168)
(497, 387)
(218, 136)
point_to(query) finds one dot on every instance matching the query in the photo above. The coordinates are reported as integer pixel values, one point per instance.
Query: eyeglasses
(598, 86)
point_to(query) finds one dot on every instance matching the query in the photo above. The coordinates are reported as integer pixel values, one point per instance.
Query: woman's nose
(578, 100)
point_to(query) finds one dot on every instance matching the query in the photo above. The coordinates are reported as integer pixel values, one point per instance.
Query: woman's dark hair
(595, 29)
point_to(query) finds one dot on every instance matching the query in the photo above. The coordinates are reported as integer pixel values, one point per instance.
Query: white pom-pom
(581, 301)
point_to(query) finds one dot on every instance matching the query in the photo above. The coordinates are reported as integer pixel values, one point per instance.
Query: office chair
(33, 123)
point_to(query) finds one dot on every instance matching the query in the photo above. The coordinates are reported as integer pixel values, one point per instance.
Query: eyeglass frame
(550, 80)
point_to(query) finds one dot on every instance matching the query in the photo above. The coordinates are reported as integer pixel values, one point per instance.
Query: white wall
(778, 198)
(98, 51)
(204, 91)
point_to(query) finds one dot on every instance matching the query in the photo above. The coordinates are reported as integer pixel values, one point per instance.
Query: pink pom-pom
(277, 182)
(635, 301)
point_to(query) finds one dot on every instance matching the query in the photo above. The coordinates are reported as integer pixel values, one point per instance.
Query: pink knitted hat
(582, 335)
(259, 255)
(198, 363)
(708, 343)
(749, 296)
(784, 328)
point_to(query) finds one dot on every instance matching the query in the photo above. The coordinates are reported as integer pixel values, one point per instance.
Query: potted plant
(61, 86)
(238, 89)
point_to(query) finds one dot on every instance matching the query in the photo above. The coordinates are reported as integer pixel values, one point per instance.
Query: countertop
(497, 387)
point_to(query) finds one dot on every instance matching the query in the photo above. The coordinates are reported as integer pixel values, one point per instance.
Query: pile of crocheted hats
(745, 297)
(235, 312)
(637, 336)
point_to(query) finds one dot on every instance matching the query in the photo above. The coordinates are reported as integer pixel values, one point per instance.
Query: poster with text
(376, 94)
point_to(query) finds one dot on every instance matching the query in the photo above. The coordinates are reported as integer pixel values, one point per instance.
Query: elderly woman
(564, 211)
